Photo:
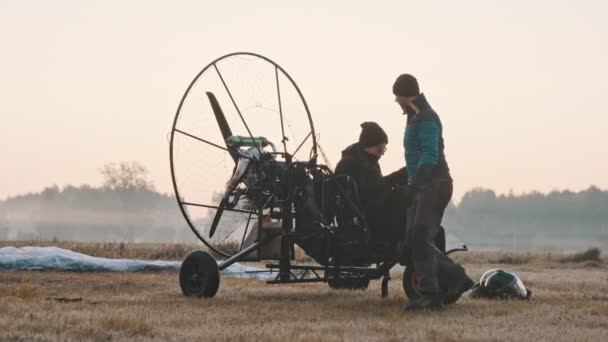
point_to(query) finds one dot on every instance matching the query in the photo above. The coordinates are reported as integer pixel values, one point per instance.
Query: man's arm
(428, 135)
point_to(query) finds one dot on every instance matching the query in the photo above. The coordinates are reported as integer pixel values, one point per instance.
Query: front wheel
(199, 275)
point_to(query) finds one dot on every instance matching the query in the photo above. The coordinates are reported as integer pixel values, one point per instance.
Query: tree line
(126, 207)
(556, 220)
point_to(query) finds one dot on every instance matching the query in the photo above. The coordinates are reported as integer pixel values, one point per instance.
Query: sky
(520, 86)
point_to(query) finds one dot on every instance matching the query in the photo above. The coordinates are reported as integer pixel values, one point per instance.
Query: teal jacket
(423, 142)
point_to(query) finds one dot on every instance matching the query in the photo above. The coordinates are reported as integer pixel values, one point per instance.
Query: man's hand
(398, 177)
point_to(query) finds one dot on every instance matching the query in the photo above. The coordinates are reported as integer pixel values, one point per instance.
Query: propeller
(226, 133)
(224, 127)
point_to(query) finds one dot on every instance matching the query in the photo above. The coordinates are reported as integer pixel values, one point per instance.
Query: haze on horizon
(520, 86)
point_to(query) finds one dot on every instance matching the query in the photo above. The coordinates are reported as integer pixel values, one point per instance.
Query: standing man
(430, 185)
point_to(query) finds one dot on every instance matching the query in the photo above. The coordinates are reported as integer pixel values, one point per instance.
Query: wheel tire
(349, 284)
(199, 275)
(411, 286)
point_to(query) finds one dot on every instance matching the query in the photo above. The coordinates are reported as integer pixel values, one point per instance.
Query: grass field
(569, 303)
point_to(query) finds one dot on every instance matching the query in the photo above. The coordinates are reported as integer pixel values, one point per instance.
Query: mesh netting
(201, 170)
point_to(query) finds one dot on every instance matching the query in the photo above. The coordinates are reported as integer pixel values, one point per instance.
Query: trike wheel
(199, 275)
(411, 285)
(349, 284)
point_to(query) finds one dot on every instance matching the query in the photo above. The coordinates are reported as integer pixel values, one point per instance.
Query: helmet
(486, 274)
(499, 284)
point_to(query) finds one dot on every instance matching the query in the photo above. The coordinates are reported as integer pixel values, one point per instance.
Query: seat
(352, 238)
(328, 218)
(348, 211)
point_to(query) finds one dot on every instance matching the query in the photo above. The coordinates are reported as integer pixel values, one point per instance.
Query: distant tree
(126, 176)
(50, 192)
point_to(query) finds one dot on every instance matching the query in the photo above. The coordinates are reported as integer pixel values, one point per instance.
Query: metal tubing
(276, 74)
(246, 251)
(294, 281)
(286, 242)
(302, 143)
(236, 107)
(213, 207)
(463, 249)
(326, 268)
(203, 140)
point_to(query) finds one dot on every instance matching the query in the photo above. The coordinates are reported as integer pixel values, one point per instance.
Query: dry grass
(24, 290)
(590, 255)
(588, 258)
(129, 326)
(569, 303)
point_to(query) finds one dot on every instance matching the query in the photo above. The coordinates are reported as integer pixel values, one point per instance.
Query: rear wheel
(411, 285)
(199, 275)
(347, 281)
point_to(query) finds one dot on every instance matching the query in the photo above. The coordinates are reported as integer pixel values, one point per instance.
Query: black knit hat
(406, 85)
(372, 134)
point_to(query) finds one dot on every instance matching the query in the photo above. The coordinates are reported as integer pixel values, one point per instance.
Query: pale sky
(519, 85)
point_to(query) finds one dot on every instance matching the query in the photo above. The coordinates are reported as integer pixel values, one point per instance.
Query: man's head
(406, 90)
(373, 139)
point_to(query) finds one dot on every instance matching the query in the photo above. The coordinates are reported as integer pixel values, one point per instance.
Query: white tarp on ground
(54, 258)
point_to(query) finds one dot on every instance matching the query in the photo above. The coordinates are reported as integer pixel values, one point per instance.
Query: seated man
(380, 196)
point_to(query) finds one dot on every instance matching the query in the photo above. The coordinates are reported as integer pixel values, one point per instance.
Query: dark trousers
(434, 270)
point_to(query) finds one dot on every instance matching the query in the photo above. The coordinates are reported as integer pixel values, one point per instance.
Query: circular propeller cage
(238, 97)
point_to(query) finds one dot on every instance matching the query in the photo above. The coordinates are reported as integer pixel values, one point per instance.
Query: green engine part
(241, 141)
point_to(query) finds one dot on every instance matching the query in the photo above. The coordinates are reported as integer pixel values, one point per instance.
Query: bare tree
(126, 176)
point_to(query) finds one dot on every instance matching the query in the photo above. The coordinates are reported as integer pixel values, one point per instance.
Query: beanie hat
(406, 85)
(372, 134)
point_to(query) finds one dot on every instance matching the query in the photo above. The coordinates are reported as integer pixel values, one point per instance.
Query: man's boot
(432, 302)
(452, 278)
(463, 286)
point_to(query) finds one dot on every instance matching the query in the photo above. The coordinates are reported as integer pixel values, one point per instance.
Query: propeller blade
(221, 121)
(217, 217)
